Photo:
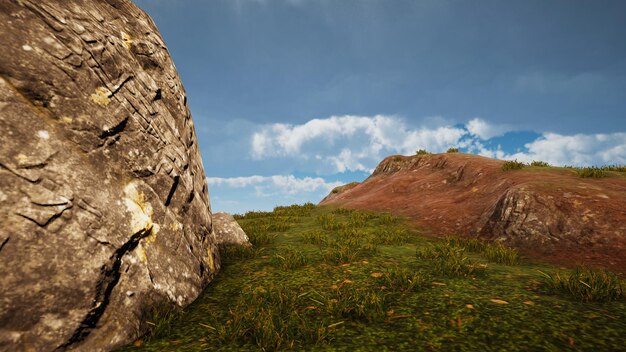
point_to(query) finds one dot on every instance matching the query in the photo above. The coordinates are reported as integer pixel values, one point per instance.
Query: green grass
(539, 163)
(512, 165)
(234, 252)
(392, 236)
(498, 253)
(591, 172)
(493, 252)
(403, 279)
(288, 258)
(316, 237)
(422, 152)
(615, 168)
(587, 284)
(598, 171)
(316, 283)
(452, 150)
(449, 260)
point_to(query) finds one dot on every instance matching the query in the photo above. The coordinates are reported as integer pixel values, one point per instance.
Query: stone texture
(103, 198)
(228, 231)
(527, 217)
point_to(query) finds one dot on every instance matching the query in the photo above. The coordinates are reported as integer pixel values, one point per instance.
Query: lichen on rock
(103, 197)
(228, 231)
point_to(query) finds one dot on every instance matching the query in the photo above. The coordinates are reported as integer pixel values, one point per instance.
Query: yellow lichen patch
(67, 119)
(128, 40)
(209, 259)
(139, 209)
(474, 189)
(153, 232)
(101, 96)
(141, 253)
(21, 158)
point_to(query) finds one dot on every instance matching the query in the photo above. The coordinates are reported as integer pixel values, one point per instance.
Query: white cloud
(434, 140)
(357, 143)
(485, 130)
(349, 143)
(275, 185)
(235, 182)
(579, 149)
(346, 161)
(282, 139)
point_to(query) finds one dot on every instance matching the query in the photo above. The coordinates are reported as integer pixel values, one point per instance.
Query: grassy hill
(324, 278)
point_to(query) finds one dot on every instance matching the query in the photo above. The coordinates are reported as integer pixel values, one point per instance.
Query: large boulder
(228, 231)
(104, 207)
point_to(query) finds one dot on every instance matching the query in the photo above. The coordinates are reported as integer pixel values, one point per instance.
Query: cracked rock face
(228, 231)
(104, 207)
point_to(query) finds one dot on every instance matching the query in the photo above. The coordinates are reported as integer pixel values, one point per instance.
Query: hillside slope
(546, 212)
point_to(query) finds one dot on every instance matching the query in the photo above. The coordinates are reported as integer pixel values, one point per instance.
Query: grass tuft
(160, 319)
(351, 251)
(289, 258)
(591, 172)
(512, 165)
(403, 279)
(387, 219)
(452, 150)
(357, 303)
(233, 252)
(615, 168)
(270, 319)
(586, 284)
(539, 163)
(328, 222)
(342, 211)
(316, 237)
(392, 236)
(471, 244)
(498, 253)
(448, 259)
(422, 152)
(261, 238)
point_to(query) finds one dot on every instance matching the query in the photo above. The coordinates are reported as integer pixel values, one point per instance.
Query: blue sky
(293, 97)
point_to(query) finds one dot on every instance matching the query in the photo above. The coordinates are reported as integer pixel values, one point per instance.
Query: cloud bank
(579, 149)
(275, 185)
(357, 143)
(349, 143)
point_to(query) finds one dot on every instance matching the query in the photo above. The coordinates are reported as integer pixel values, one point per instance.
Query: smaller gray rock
(228, 231)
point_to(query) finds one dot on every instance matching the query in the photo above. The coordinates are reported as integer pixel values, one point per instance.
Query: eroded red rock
(548, 213)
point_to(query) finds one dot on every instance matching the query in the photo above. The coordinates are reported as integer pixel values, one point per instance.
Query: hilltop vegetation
(322, 278)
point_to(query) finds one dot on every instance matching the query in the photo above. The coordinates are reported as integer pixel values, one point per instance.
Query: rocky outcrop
(527, 216)
(338, 190)
(228, 231)
(547, 212)
(103, 199)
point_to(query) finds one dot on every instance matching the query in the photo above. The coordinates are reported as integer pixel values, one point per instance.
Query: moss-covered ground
(321, 278)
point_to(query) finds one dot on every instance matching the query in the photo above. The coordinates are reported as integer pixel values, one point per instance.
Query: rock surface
(103, 199)
(549, 213)
(228, 231)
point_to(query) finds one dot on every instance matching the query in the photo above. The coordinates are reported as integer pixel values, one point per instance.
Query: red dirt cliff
(548, 213)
